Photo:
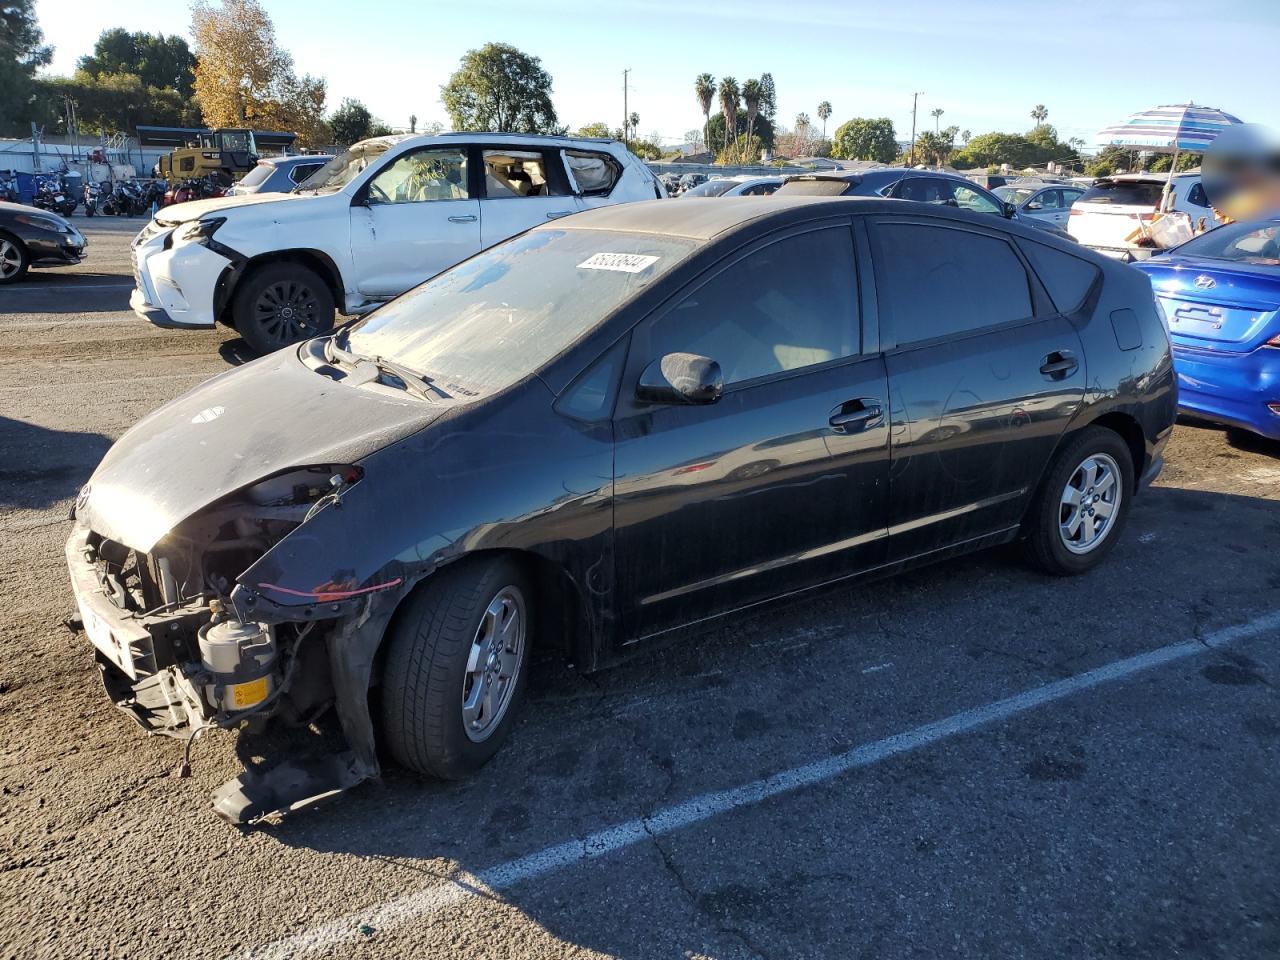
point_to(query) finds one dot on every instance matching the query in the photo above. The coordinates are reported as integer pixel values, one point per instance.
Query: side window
(1050, 200)
(970, 199)
(421, 175)
(1069, 197)
(595, 174)
(1196, 195)
(925, 190)
(941, 282)
(590, 396)
(1068, 279)
(520, 173)
(788, 305)
(302, 171)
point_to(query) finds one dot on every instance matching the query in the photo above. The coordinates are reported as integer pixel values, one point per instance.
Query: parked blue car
(1220, 294)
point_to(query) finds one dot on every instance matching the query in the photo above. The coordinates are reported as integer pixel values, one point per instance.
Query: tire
(1065, 538)
(425, 723)
(280, 304)
(14, 259)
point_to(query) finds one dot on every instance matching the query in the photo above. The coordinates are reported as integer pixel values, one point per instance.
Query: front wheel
(280, 304)
(455, 668)
(1082, 505)
(13, 259)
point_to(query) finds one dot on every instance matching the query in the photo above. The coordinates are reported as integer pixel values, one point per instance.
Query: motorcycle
(92, 193)
(9, 187)
(199, 188)
(52, 195)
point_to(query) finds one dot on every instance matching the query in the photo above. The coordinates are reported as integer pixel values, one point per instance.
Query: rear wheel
(1082, 505)
(14, 259)
(280, 304)
(455, 668)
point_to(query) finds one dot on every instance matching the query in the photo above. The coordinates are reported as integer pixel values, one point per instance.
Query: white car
(746, 185)
(378, 219)
(1113, 207)
(1045, 202)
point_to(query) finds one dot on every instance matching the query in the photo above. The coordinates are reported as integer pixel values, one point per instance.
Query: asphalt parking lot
(968, 761)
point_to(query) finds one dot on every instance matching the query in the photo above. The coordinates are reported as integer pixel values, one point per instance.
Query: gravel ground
(1133, 818)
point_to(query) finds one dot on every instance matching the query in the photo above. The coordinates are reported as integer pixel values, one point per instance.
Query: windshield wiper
(414, 382)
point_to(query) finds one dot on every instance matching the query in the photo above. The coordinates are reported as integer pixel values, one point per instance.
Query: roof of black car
(702, 218)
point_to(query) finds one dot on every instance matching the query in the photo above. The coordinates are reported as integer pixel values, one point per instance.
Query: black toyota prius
(593, 437)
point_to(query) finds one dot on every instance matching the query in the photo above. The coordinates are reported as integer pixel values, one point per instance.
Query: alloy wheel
(10, 259)
(286, 312)
(1089, 504)
(494, 662)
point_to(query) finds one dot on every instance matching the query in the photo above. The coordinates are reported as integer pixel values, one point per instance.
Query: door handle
(556, 214)
(469, 218)
(1059, 365)
(856, 415)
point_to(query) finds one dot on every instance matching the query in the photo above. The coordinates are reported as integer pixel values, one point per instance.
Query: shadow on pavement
(41, 466)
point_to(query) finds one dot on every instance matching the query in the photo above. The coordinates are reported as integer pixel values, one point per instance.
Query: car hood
(183, 212)
(242, 426)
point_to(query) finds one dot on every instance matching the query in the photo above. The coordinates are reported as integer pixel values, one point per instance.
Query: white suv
(375, 221)
(1114, 207)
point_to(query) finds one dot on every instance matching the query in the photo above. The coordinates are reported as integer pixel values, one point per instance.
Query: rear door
(1110, 210)
(781, 483)
(414, 218)
(520, 188)
(984, 374)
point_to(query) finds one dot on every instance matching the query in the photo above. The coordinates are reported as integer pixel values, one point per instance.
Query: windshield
(1238, 242)
(1013, 194)
(712, 188)
(344, 168)
(257, 175)
(499, 316)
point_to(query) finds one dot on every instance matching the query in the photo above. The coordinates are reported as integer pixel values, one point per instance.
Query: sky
(1090, 63)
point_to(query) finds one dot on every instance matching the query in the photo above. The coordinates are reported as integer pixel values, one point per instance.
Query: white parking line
(412, 906)
(74, 384)
(34, 288)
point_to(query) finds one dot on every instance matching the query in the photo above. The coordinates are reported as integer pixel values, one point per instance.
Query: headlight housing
(199, 231)
(43, 223)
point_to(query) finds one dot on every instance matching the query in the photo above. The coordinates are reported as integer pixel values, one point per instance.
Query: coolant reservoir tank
(241, 658)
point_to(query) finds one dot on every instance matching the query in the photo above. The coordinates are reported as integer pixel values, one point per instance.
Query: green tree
(729, 94)
(22, 52)
(704, 88)
(936, 113)
(965, 135)
(1110, 159)
(500, 88)
(351, 122)
(824, 114)
(596, 129)
(634, 122)
(751, 98)
(1039, 113)
(866, 139)
(995, 148)
(1186, 161)
(765, 134)
(165, 62)
(768, 97)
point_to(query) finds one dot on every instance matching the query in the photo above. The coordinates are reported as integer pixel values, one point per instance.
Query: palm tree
(824, 113)
(751, 97)
(729, 94)
(1039, 113)
(704, 88)
(802, 133)
(634, 120)
(936, 113)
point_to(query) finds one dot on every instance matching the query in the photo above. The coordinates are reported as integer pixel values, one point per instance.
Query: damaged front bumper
(182, 668)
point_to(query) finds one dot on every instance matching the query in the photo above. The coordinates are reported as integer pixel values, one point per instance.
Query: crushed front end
(176, 655)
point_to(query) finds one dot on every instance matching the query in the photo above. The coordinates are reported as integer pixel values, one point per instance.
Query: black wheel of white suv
(455, 668)
(1082, 505)
(282, 303)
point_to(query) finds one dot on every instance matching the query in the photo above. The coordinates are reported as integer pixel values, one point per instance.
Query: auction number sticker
(618, 262)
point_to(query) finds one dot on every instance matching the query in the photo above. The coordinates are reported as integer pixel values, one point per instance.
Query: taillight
(1273, 342)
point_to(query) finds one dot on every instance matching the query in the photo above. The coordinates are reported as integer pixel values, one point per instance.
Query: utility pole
(626, 114)
(911, 157)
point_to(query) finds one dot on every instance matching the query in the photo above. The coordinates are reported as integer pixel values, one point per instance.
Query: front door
(984, 375)
(413, 219)
(522, 188)
(781, 483)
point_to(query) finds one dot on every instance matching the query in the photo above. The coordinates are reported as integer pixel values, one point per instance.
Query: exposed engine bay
(177, 655)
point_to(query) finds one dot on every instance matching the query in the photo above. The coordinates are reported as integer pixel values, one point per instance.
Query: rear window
(1124, 193)
(942, 281)
(813, 188)
(1237, 242)
(1068, 279)
(712, 188)
(596, 174)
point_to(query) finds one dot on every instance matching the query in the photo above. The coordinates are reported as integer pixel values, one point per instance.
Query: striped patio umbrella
(1170, 129)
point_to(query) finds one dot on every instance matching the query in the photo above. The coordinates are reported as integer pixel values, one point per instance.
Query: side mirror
(680, 378)
(1035, 205)
(1010, 211)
